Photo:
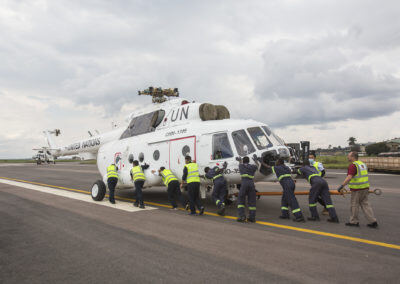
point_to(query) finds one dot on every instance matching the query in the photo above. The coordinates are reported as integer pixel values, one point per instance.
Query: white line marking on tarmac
(67, 170)
(125, 206)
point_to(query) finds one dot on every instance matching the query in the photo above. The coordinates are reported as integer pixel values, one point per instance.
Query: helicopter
(163, 133)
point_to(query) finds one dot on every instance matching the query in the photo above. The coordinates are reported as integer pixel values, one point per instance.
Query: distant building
(393, 144)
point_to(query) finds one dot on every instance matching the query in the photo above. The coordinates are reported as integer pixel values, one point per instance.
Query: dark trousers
(289, 199)
(194, 196)
(247, 189)
(320, 201)
(319, 187)
(220, 192)
(112, 182)
(174, 192)
(138, 191)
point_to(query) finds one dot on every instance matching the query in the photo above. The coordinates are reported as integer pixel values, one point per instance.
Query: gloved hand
(255, 157)
(238, 159)
(225, 164)
(340, 188)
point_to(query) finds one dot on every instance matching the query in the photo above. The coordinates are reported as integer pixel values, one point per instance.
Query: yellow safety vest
(167, 176)
(137, 173)
(112, 171)
(193, 173)
(360, 181)
(315, 165)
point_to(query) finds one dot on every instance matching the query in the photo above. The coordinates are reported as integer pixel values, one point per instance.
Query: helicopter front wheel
(98, 190)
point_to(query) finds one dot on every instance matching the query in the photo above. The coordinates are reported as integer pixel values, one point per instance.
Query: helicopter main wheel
(98, 190)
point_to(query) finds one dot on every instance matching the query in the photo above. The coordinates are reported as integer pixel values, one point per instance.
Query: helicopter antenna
(159, 95)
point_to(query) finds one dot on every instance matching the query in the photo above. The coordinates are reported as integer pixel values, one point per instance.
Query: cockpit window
(221, 147)
(143, 124)
(259, 138)
(242, 143)
(267, 130)
(274, 138)
(159, 118)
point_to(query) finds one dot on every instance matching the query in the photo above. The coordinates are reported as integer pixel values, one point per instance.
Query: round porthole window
(130, 158)
(185, 150)
(141, 157)
(156, 155)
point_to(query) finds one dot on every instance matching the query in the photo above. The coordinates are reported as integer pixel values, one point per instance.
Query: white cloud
(311, 64)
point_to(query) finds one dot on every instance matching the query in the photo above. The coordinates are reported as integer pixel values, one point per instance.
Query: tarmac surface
(71, 239)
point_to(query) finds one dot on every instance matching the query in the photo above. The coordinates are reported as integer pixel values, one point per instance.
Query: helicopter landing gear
(98, 190)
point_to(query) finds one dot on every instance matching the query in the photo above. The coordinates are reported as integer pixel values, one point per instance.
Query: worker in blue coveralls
(220, 189)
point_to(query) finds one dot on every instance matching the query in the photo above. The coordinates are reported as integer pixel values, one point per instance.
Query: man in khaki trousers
(357, 179)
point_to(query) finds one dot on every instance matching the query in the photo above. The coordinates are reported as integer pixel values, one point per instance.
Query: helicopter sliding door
(178, 150)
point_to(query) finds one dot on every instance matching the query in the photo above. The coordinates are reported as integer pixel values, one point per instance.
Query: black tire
(98, 190)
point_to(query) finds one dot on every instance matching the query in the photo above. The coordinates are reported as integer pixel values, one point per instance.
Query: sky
(313, 70)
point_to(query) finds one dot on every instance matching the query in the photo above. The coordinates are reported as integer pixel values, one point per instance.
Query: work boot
(284, 217)
(136, 204)
(142, 206)
(221, 211)
(112, 201)
(333, 220)
(241, 219)
(352, 224)
(373, 225)
(325, 211)
(313, 218)
(201, 211)
(251, 219)
(300, 220)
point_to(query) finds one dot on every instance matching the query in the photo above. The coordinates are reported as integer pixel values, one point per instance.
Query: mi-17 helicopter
(163, 133)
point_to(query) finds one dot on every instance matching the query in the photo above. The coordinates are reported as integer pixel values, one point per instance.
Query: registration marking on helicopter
(72, 194)
(18, 183)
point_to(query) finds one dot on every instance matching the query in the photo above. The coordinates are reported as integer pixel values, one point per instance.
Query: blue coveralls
(283, 173)
(248, 189)
(220, 189)
(319, 187)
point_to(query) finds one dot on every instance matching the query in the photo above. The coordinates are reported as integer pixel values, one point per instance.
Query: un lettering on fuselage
(182, 112)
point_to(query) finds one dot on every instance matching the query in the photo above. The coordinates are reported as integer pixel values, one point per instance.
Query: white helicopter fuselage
(180, 135)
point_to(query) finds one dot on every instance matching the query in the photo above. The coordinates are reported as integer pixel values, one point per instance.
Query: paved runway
(49, 238)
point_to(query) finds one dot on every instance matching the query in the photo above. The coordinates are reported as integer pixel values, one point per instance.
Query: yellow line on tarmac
(314, 232)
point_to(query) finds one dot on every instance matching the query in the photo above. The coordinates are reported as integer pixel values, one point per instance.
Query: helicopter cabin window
(141, 157)
(143, 124)
(242, 143)
(156, 155)
(259, 138)
(186, 150)
(221, 147)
